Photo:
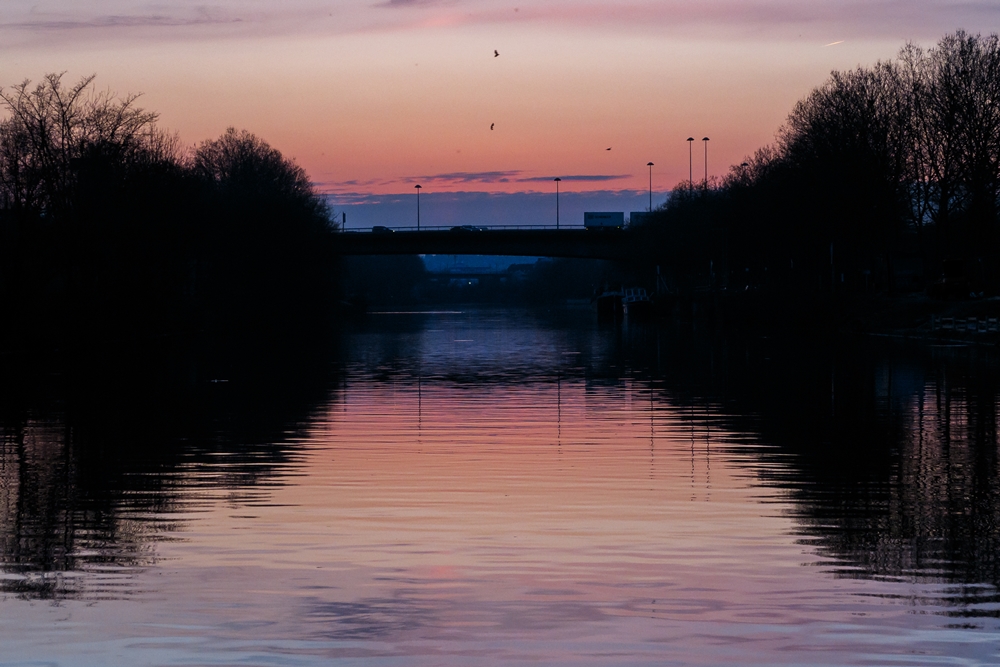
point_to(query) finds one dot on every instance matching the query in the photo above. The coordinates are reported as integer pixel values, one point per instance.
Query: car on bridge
(468, 228)
(381, 229)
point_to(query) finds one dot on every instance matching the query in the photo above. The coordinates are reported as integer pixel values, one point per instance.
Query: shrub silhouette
(107, 230)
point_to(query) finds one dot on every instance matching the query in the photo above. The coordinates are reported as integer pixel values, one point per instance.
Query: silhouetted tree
(957, 152)
(107, 231)
(848, 146)
(864, 161)
(51, 127)
(78, 173)
(269, 246)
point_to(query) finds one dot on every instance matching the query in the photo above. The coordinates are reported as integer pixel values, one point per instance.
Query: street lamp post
(705, 139)
(417, 186)
(557, 180)
(650, 165)
(690, 165)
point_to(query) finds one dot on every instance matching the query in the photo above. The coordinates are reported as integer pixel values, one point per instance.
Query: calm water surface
(497, 487)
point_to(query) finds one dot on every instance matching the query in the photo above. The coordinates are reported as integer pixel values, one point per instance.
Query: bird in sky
(608, 148)
(495, 53)
(491, 125)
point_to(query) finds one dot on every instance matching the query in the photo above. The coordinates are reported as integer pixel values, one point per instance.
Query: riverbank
(912, 316)
(919, 317)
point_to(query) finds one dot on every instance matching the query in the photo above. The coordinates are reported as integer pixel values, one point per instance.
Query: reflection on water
(926, 505)
(100, 460)
(508, 487)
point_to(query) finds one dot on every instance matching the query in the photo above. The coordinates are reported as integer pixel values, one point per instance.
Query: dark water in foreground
(496, 487)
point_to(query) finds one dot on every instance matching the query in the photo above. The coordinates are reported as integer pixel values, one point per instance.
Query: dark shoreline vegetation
(879, 199)
(883, 184)
(110, 233)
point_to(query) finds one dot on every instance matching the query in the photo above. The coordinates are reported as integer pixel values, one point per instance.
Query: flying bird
(608, 148)
(495, 53)
(491, 125)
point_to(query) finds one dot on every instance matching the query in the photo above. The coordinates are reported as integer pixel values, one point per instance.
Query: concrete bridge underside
(577, 243)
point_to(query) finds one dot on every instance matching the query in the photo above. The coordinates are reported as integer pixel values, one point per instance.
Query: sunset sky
(374, 96)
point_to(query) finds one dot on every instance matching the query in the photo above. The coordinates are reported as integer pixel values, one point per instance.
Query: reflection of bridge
(579, 243)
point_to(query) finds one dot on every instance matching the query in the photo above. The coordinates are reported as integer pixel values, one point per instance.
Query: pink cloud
(893, 19)
(886, 18)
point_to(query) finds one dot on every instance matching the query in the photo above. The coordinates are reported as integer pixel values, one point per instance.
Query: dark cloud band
(577, 177)
(467, 177)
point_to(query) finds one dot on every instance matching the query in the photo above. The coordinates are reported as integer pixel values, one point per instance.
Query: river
(503, 487)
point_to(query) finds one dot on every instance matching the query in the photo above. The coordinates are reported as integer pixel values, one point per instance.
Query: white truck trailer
(603, 220)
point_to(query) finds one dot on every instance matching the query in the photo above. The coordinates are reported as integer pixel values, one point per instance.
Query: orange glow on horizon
(372, 98)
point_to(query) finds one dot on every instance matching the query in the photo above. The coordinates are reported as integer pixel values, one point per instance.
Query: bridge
(468, 240)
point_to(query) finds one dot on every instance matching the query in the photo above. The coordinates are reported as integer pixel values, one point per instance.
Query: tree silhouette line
(110, 229)
(880, 167)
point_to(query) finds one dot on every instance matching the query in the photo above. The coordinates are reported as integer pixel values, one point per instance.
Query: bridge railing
(457, 228)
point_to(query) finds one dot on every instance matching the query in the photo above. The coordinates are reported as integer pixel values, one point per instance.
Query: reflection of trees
(93, 470)
(890, 453)
(49, 525)
(937, 512)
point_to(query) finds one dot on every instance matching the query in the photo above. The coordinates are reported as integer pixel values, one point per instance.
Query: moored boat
(636, 303)
(609, 305)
